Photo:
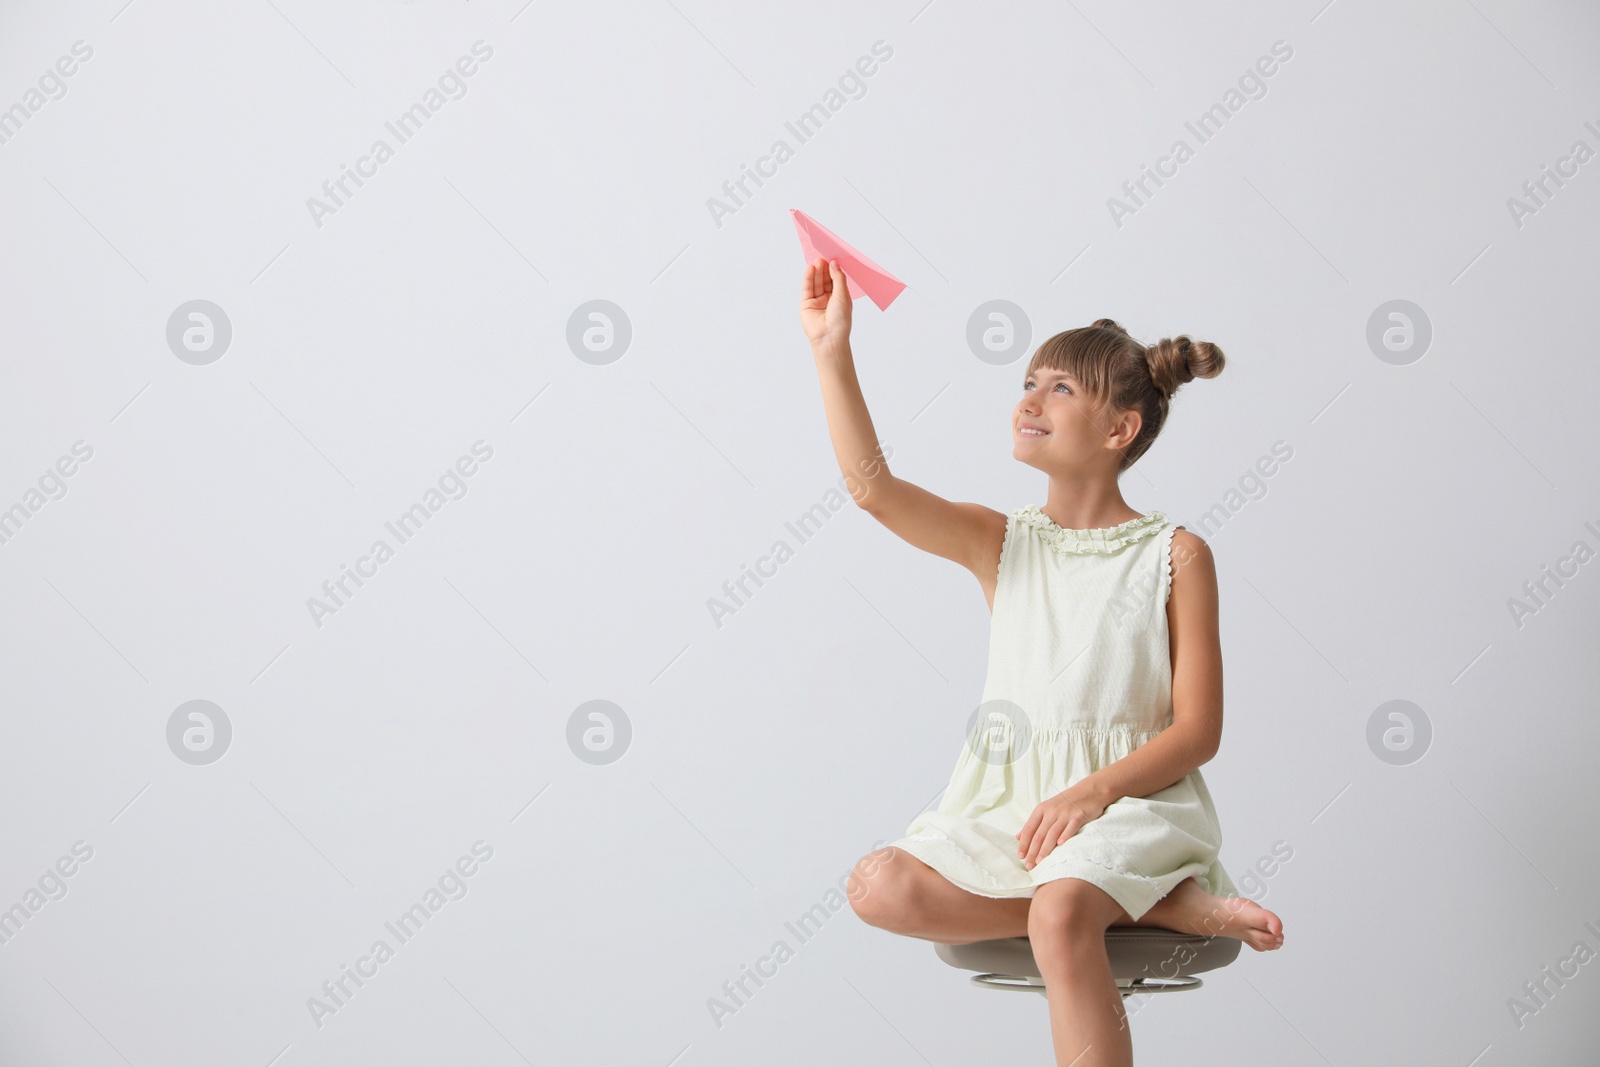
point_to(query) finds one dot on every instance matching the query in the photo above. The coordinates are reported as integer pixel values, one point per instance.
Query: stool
(1144, 959)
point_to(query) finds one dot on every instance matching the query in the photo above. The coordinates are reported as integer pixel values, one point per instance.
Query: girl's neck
(1092, 506)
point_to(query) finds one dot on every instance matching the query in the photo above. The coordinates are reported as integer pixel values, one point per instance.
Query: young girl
(1077, 802)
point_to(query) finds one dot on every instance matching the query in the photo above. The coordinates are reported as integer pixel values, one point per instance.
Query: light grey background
(770, 752)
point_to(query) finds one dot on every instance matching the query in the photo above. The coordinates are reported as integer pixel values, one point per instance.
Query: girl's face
(1073, 433)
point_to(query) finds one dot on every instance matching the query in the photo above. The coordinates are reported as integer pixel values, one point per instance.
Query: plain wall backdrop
(587, 485)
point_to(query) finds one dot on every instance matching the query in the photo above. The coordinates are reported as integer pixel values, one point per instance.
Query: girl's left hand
(1056, 819)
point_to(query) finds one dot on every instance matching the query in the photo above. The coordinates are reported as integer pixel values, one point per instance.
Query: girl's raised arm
(970, 534)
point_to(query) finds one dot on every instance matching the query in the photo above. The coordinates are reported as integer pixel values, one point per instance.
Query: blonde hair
(1122, 374)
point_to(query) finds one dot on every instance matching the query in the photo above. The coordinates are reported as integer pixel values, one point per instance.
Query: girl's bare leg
(1190, 909)
(893, 890)
(1067, 928)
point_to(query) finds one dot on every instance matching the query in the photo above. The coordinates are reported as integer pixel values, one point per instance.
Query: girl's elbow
(1206, 746)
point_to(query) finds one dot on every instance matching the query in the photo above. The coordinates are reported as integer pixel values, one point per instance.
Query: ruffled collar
(1105, 539)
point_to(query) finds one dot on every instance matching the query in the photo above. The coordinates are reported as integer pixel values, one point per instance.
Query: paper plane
(861, 275)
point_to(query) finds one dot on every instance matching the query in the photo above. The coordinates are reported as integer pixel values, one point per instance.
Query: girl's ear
(1124, 428)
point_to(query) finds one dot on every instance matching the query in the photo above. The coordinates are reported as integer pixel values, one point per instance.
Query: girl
(1077, 802)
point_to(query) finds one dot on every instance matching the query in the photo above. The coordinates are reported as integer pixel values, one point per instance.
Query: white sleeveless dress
(1079, 675)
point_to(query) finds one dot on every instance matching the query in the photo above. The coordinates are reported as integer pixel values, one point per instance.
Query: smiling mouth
(1025, 432)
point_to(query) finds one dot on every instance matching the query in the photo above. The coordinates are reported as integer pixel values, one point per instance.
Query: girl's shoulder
(1185, 548)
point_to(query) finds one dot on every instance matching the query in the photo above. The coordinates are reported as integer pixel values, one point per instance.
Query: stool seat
(1144, 959)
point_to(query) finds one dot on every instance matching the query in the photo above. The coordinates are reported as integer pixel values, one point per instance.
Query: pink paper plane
(861, 275)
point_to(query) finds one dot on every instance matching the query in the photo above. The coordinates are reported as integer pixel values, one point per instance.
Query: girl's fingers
(1047, 840)
(815, 284)
(1048, 834)
(1040, 836)
(1051, 839)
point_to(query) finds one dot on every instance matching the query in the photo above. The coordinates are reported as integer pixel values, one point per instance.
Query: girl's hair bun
(1175, 360)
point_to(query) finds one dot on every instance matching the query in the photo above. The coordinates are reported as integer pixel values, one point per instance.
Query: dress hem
(1134, 893)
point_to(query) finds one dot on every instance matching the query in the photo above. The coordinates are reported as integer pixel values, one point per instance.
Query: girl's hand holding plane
(825, 305)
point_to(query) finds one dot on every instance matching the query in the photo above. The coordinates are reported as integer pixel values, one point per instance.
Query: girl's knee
(881, 890)
(1065, 910)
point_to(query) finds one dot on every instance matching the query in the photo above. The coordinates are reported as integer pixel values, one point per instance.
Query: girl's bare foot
(1191, 910)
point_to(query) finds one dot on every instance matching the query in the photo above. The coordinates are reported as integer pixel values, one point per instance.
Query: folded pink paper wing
(860, 273)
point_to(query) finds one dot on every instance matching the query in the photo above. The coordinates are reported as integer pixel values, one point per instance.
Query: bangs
(1087, 354)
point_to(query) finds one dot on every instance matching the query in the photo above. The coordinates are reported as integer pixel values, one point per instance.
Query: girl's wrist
(1095, 788)
(833, 349)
